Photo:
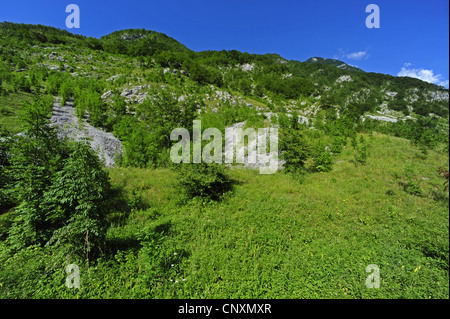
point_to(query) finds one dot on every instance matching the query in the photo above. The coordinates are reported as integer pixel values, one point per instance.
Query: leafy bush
(295, 149)
(34, 157)
(66, 90)
(361, 151)
(55, 81)
(413, 188)
(208, 181)
(142, 147)
(76, 203)
(323, 162)
(338, 143)
(61, 188)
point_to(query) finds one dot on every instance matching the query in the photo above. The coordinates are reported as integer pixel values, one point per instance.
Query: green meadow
(359, 195)
(272, 236)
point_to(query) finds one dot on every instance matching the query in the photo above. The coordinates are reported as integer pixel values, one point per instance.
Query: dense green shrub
(412, 187)
(361, 151)
(208, 181)
(338, 144)
(61, 189)
(54, 82)
(142, 146)
(323, 162)
(76, 202)
(295, 149)
(66, 90)
(426, 132)
(34, 157)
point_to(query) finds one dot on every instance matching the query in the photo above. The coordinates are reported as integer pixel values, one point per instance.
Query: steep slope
(120, 82)
(105, 144)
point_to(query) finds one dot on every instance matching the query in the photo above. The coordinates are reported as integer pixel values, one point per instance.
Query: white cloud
(358, 55)
(423, 74)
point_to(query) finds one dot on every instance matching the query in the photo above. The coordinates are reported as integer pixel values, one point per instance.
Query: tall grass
(272, 236)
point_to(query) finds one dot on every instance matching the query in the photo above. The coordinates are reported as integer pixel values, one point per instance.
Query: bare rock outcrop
(106, 145)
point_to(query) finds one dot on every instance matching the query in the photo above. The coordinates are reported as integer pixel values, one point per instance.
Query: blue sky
(412, 39)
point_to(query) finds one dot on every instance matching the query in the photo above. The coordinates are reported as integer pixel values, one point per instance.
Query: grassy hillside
(271, 237)
(360, 183)
(10, 111)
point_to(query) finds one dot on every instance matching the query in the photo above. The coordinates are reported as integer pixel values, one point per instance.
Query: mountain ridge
(334, 62)
(278, 83)
(99, 43)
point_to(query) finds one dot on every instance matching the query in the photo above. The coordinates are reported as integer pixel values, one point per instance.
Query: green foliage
(76, 202)
(5, 75)
(140, 43)
(399, 104)
(34, 34)
(425, 132)
(361, 151)
(66, 90)
(323, 162)
(6, 200)
(207, 181)
(119, 106)
(61, 190)
(338, 142)
(204, 75)
(40, 272)
(54, 83)
(35, 157)
(92, 102)
(164, 112)
(87, 100)
(295, 149)
(290, 88)
(146, 141)
(56, 200)
(39, 139)
(411, 187)
(288, 122)
(142, 147)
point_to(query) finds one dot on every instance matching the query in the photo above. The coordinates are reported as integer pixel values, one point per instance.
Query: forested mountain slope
(365, 157)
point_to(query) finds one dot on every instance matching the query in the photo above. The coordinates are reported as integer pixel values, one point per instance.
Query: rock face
(263, 159)
(105, 144)
(134, 94)
(247, 67)
(344, 78)
(433, 96)
(382, 118)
